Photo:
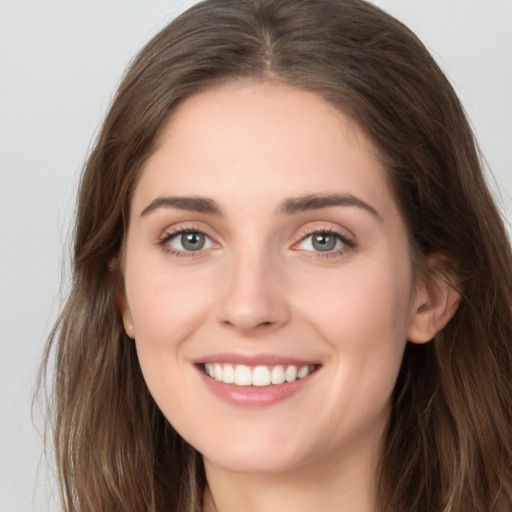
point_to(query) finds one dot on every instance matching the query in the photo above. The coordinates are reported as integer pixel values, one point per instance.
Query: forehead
(262, 137)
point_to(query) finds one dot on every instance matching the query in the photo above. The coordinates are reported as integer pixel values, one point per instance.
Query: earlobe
(122, 304)
(120, 298)
(435, 304)
(128, 322)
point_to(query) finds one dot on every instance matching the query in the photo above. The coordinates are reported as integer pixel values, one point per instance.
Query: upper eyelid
(163, 242)
(349, 241)
(343, 233)
(346, 240)
(183, 228)
(170, 233)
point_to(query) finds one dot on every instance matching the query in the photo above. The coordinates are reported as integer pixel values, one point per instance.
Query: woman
(291, 285)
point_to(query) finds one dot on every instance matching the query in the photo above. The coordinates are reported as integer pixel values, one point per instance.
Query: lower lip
(254, 396)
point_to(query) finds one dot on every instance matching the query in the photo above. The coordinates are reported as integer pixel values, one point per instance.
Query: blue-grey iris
(193, 241)
(324, 242)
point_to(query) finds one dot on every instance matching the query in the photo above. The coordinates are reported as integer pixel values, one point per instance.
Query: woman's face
(265, 248)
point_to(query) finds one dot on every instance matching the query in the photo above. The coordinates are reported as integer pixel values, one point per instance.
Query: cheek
(165, 305)
(365, 305)
(363, 315)
(167, 308)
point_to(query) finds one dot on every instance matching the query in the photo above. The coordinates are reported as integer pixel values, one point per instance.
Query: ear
(127, 316)
(120, 298)
(435, 302)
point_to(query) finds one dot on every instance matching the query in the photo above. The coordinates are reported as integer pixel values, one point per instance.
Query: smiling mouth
(259, 376)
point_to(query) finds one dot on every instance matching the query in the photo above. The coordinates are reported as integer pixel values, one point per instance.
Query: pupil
(192, 241)
(324, 242)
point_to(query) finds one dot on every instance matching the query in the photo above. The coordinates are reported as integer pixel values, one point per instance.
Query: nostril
(253, 311)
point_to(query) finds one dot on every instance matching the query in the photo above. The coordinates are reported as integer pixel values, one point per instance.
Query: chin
(256, 456)
(260, 464)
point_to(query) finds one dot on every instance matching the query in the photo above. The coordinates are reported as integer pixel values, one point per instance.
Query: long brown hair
(449, 443)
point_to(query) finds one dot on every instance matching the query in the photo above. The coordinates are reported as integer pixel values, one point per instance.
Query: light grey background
(59, 64)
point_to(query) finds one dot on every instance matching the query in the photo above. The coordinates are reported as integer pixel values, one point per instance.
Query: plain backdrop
(60, 62)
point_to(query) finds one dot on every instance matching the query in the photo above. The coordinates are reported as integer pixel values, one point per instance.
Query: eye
(325, 242)
(186, 241)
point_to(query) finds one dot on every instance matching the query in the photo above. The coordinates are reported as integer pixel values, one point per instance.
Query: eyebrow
(192, 204)
(318, 201)
(289, 206)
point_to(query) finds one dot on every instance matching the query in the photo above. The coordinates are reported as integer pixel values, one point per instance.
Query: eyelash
(169, 235)
(348, 244)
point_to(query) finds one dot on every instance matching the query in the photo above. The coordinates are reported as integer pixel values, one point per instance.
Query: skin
(259, 286)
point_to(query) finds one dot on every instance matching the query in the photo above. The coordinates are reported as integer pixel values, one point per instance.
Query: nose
(254, 300)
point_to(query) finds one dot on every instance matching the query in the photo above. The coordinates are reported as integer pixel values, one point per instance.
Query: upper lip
(264, 359)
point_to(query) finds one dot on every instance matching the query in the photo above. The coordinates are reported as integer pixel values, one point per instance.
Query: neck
(344, 485)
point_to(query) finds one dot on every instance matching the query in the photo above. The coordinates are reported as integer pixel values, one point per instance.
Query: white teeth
(242, 375)
(303, 372)
(291, 373)
(261, 376)
(228, 375)
(278, 375)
